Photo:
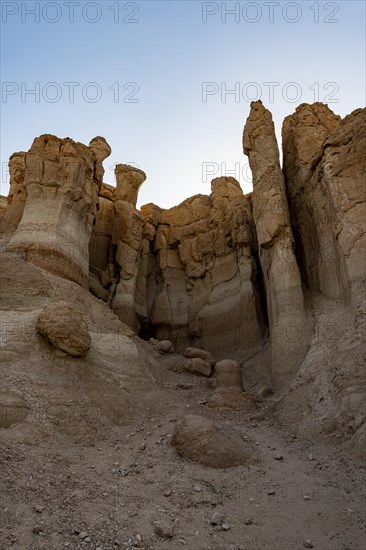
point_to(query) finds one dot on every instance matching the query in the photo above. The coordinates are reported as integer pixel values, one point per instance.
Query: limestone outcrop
(289, 324)
(62, 179)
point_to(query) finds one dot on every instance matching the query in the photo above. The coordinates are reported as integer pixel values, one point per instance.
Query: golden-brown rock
(65, 328)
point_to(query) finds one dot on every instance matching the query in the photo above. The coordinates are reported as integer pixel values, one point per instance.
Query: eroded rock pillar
(288, 321)
(62, 181)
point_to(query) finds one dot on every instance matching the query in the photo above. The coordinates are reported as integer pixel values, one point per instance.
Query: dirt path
(59, 495)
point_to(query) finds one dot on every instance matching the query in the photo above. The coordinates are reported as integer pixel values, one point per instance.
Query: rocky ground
(132, 490)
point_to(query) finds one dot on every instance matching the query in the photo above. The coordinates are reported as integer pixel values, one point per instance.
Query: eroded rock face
(62, 181)
(342, 170)
(65, 328)
(324, 163)
(303, 137)
(128, 232)
(229, 392)
(203, 289)
(290, 328)
(17, 192)
(198, 439)
(129, 180)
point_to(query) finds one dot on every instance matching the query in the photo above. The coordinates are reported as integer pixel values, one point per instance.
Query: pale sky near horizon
(169, 83)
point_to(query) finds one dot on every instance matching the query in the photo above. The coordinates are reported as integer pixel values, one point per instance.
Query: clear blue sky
(179, 135)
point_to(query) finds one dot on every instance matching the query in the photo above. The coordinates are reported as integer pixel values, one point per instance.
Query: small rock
(202, 401)
(248, 521)
(278, 457)
(226, 526)
(264, 392)
(39, 509)
(307, 497)
(271, 492)
(87, 539)
(311, 457)
(217, 518)
(83, 535)
(308, 544)
(37, 529)
(163, 530)
(182, 541)
(165, 346)
(167, 492)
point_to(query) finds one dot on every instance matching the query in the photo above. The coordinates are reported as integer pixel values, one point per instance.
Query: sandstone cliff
(280, 269)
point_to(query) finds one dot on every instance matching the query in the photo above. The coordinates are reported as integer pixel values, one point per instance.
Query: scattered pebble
(308, 544)
(278, 457)
(37, 529)
(248, 521)
(83, 535)
(39, 509)
(167, 492)
(226, 526)
(311, 457)
(217, 518)
(307, 497)
(163, 530)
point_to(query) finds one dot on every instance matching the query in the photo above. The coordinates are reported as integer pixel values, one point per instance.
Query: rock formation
(17, 194)
(65, 328)
(323, 165)
(217, 274)
(229, 393)
(198, 439)
(204, 287)
(288, 321)
(62, 180)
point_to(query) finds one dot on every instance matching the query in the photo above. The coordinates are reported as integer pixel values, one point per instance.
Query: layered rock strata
(62, 179)
(290, 326)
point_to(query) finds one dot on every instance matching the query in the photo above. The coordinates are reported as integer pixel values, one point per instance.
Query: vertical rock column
(341, 170)
(128, 231)
(62, 181)
(289, 326)
(312, 216)
(17, 192)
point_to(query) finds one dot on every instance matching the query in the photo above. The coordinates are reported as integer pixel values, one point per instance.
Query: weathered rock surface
(290, 327)
(303, 136)
(201, 354)
(204, 287)
(17, 192)
(342, 170)
(219, 272)
(198, 439)
(229, 392)
(62, 179)
(65, 328)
